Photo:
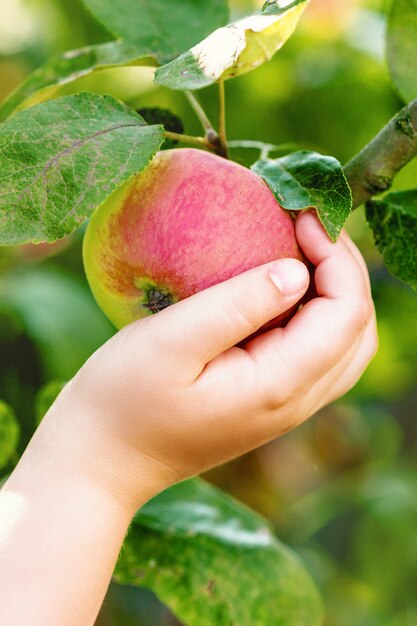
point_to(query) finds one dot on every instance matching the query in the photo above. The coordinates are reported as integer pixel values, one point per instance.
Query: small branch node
(404, 124)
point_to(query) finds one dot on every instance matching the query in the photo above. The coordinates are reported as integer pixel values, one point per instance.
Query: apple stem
(222, 120)
(202, 142)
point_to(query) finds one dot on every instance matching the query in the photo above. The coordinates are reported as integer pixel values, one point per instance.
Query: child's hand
(170, 396)
(166, 398)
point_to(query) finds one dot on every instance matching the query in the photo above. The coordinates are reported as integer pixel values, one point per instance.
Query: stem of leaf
(264, 148)
(201, 142)
(222, 119)
(200, 112)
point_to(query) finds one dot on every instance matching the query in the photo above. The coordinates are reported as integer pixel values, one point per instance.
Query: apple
(190, 220)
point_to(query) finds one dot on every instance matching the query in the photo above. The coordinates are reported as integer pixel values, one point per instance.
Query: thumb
(211, 321)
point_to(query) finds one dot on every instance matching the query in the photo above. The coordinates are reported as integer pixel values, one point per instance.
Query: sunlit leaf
(212, 561)
(153, 33)
(394, 224)
(306, 179)
(160, 27)
(232, 50)
(276, 7)
(62, 159)
(46, 81)
(402, 46)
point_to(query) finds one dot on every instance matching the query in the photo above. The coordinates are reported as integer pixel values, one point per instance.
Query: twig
(373, 170)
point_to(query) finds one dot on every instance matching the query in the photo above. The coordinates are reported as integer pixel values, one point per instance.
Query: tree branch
(373, 170)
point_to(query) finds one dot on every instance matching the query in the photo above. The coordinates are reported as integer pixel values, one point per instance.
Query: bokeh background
(342, 489)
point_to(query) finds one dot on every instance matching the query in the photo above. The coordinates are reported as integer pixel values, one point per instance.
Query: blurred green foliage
(341, 489)
(9, 433)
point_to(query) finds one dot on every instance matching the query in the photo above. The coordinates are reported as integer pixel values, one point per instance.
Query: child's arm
(167, 398)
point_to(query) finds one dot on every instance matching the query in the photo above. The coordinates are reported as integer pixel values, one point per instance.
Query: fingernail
(289, 276)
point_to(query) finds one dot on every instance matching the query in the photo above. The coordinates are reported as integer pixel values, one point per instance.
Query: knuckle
(360, 315)
(293, 420)
(139, 331)
(237, 314)
(279, 396)
(144, 340)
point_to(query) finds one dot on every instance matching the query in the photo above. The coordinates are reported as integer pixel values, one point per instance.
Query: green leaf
(306, 179)
(232, 50)
(144, 46)
(402, 46)
(45, 82)
(46, 396)
(9, 433)
(61, 159)
(393, 221)
(160, 27)
(212, 561)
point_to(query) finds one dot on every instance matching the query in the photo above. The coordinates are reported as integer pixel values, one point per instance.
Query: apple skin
(190, 220)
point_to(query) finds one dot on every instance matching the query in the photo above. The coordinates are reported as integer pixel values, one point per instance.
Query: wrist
(74, 436)
(63, 510)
